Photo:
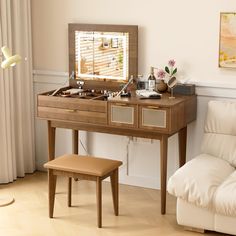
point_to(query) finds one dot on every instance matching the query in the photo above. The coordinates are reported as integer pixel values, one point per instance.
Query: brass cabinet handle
(120, 104)
(153, 107)
(71, 110)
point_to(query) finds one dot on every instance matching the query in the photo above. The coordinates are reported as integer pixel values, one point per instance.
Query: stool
(88, 168)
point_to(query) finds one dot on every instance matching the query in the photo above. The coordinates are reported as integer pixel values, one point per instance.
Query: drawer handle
(153, 107)
(120, 104)
(71, 110)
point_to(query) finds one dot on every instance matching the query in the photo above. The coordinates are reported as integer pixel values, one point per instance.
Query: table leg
(163, 171)
(51, 141)
(75, 141)
(182, 146)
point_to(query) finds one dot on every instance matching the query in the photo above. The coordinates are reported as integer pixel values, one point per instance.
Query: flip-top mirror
(103, 54)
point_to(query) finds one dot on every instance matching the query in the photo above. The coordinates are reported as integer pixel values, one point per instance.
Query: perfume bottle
(151, 80)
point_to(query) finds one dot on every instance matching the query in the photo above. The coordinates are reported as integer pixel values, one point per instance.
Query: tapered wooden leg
(51, 141)
(69, 192)
(99, 202)
(75, 141)
(182, 146)
(51, 191)
(163, 171)
(115, 191)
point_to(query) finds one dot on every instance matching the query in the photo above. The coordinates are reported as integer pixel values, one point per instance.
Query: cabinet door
(152, 117)
(122, 114)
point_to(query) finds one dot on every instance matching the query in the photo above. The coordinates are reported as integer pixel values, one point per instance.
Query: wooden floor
(139, 211)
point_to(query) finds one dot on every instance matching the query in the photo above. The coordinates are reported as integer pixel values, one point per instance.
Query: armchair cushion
(197, 181)
(220, 131)
(225, 197)
(221, 146)
(221, 117)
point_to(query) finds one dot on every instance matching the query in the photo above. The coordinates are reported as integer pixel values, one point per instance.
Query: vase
(161, 86)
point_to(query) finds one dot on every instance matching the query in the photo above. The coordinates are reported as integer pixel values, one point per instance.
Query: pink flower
(171, 63)
(161, 74)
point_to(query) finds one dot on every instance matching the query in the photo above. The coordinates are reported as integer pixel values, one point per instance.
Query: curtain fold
(17, 148)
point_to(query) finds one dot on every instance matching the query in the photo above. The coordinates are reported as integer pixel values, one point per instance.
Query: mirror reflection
(102, 55)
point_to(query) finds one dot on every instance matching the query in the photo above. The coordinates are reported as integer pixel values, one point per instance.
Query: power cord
(127, 156)
(87, 153)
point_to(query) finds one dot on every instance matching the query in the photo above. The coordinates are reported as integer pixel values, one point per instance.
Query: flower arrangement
(161, 74)
(170, 69)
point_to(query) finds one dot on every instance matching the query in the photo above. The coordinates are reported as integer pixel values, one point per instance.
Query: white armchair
(205, 187)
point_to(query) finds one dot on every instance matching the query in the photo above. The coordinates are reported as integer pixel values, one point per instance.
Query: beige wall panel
(185, 30)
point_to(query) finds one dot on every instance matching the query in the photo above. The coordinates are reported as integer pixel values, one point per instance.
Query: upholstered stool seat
(83, 167)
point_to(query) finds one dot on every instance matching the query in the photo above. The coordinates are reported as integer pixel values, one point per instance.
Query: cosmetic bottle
(151, 80)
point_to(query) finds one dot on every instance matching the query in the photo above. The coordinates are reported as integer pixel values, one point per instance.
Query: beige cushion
(197, 181)
(225, 197)
(221, 146)
(221, 116)
(83, 164)
(220, 131)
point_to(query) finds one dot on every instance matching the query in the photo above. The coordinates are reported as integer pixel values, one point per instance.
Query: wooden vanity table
(103, 58)
(148, 118)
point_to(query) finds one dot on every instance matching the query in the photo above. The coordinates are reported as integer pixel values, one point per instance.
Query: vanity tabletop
(164, 101)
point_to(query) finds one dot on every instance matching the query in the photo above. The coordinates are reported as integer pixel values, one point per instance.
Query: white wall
(186, 30)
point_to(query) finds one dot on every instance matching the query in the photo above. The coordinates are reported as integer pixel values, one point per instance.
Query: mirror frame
(133, 53)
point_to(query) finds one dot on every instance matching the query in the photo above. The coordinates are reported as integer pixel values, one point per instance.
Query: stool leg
(99, 202)
(51, 191)
(69, 192)
(115, 191)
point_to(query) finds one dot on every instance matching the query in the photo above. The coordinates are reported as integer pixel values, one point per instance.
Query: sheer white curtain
(17, 149)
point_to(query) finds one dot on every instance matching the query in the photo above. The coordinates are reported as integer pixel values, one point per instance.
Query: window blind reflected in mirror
(101, 55)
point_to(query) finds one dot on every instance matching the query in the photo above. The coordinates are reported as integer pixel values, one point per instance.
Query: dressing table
(130, 116)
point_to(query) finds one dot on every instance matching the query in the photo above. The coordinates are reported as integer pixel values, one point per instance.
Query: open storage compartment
(88, 107)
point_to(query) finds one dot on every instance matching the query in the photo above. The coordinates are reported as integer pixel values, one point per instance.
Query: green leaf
(174, 71)
(167, 70)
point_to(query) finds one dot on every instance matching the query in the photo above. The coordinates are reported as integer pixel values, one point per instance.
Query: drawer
(122, 114)
(154, 118)
(72, 103)
(72, 115)
(72, 109)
